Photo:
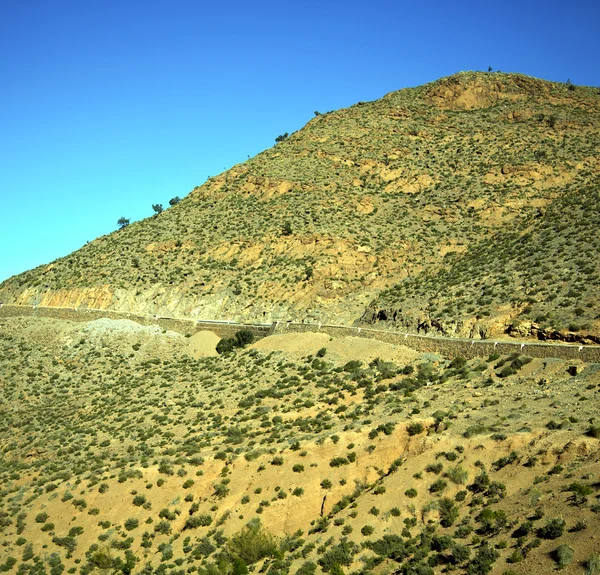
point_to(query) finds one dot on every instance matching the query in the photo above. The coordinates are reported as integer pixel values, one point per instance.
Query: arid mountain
(468, 206)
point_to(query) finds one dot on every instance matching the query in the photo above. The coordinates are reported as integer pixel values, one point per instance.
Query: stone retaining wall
(180, 325)
(444, 346)
(452, 347)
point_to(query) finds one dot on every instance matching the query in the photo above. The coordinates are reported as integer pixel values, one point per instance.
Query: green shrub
(203, 520)
(553, 529)
(459, 553)
(592, 565)
(463, 531)
(563, 555)
(69, 543)
(131, 524)
(139, 500)
(252, 544)
(594, 431)
(492, 522)
(27, 552)
(244, 337)
(307, 568)
(226, 345)
(48, 527)
(391, 546)
(434, 468)
(341, 554)
(480, 483)
(438, 486)
(221, 489)
(524, 529)
(8, 564)
(457, 363)
(351, 366)
(163, 527)
(515, 557)
(448, 510)
(75, 531)
(580, 492)
(167, 514)
(415, 428)
(504, 461)
(473, 430)
(483, 561)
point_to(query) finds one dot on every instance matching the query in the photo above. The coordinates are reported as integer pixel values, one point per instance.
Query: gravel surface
(105, 325)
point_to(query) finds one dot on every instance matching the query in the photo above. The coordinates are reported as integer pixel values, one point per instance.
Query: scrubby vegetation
(133, 463)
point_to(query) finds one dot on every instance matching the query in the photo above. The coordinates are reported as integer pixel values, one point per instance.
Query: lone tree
(174, 201)
(282, 137)
(123, 223)
(157, 208)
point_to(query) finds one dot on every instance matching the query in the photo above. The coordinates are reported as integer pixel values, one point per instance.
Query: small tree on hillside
(123, 222)
(174, 201)
(157, 208)
(242, 339)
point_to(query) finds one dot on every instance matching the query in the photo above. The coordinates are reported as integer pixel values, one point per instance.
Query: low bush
(563, 555)
(415, 428)
(252, 544)
(131, 524)
(203, 520)
(553, 529)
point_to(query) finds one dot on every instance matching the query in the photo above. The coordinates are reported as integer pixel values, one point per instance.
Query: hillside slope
(414, 188)
(120, 453)
(544, 275)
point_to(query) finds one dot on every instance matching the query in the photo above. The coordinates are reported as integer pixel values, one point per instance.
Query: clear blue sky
(107, 107)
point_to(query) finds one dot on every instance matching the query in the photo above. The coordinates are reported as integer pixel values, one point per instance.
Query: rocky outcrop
(415, 321)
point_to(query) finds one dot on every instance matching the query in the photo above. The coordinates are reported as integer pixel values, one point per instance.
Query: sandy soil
(203, 344)
(340, 349)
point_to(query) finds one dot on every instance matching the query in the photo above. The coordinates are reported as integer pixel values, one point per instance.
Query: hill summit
(465, 207)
